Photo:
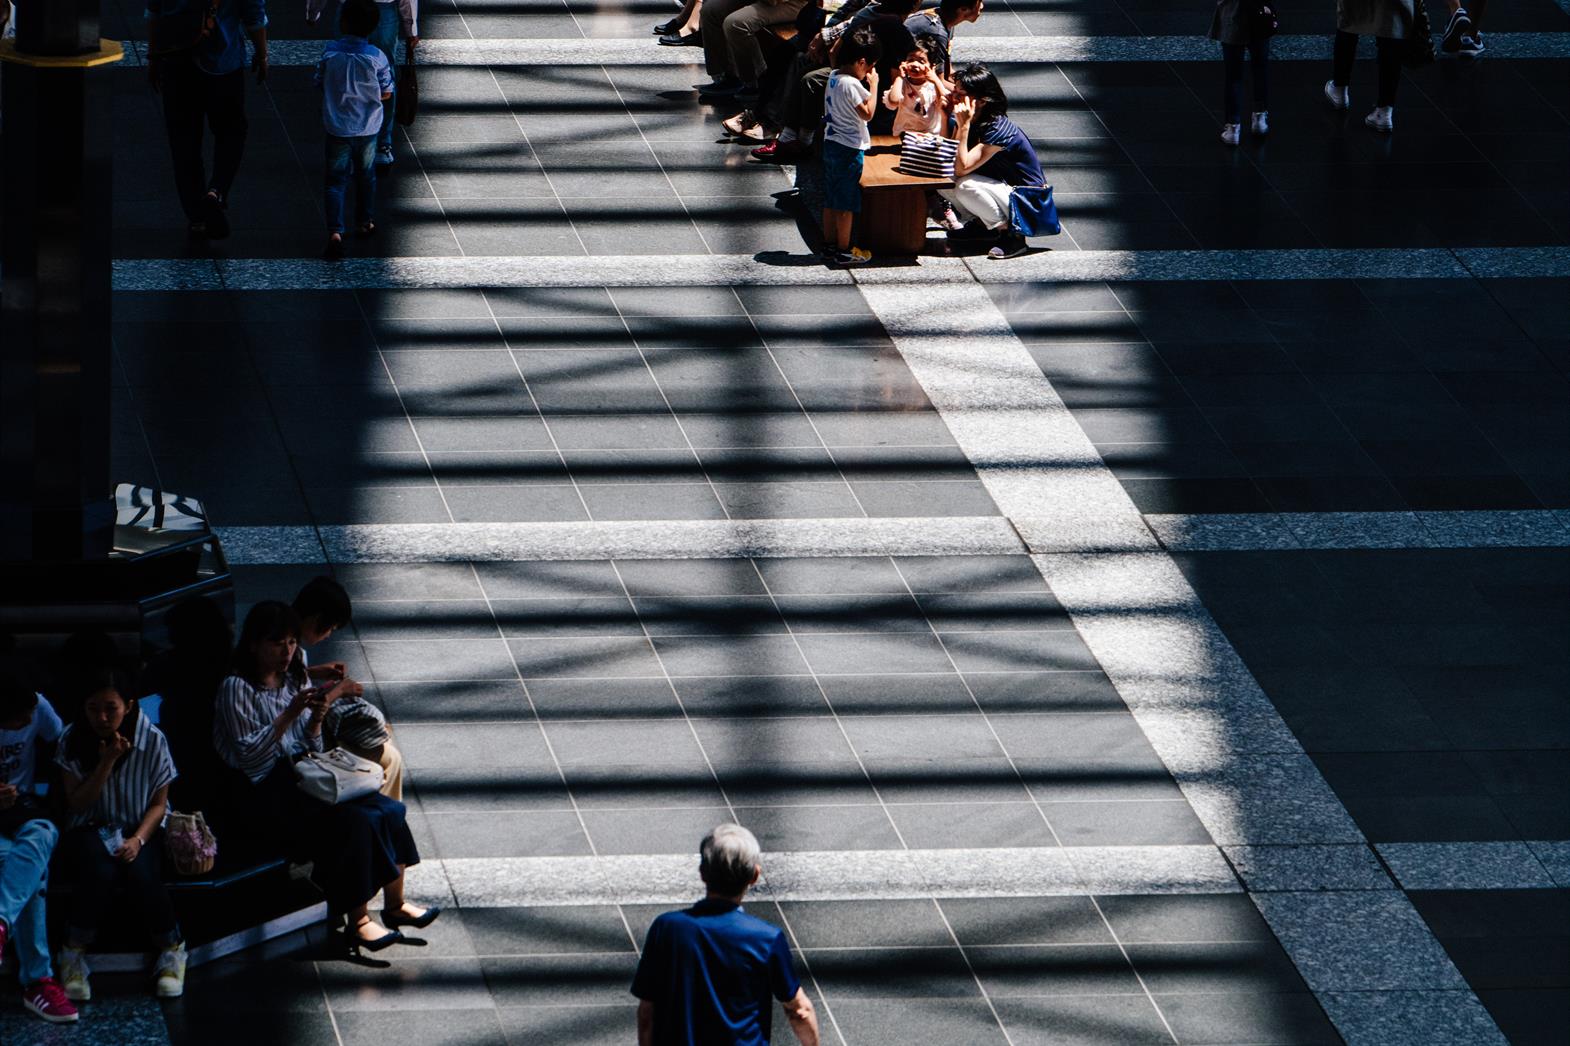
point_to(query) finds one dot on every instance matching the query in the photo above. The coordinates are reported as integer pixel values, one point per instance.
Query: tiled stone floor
(561, 715)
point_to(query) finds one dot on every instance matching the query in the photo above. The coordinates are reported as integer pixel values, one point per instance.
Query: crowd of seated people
(88, 780)
(774, 59)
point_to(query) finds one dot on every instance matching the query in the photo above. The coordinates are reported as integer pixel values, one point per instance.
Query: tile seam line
(1350, 1025)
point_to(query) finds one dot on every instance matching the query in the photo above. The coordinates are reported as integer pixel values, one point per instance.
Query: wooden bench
(893, 216)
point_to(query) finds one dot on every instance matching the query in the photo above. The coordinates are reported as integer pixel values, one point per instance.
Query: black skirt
(356, 846)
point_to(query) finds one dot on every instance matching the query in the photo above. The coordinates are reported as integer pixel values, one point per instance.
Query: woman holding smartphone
(266, 717)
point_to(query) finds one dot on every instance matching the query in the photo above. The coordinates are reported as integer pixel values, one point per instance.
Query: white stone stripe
(667, 539)
(490, 882)
(1056, 266)
(538, 51)
(1532, 528)
(1238, 764)
(938, 536)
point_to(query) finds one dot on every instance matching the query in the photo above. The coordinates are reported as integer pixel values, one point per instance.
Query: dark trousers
(195, 101)
(1389, 56)
(94, 873)
(348, 157)
(1232, 93)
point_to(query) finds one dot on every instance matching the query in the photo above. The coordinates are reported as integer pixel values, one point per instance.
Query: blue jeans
(346, 156)
(385, 36)
(24, 869)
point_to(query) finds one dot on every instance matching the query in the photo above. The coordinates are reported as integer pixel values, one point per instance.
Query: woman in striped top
(267, 716)
(116, 769)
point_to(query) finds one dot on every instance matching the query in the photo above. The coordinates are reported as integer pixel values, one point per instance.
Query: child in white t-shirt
(848, 104)
(918, 93)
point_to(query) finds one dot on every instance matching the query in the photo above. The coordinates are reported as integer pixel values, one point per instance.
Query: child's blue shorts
(841, 177)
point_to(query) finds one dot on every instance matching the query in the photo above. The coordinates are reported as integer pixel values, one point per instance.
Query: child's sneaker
(948, 218)
(45, 999)
(73, 974)
(1338, 97)
(1261, 124)
(1382, 119)
(169, 973)
(855, 256)
(1230, 133)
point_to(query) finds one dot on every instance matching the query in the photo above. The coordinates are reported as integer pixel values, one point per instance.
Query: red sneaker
(47, 999)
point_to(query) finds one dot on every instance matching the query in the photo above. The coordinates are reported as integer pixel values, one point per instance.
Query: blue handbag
(1032, 212)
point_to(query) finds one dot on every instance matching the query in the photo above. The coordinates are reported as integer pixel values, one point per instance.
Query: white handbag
(337, 776)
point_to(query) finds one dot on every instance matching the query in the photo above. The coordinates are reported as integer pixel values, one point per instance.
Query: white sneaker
(1230, 133)
(73, 975)
(169, 973)
(1338, 97)
(1382, 119)
(1261, 124)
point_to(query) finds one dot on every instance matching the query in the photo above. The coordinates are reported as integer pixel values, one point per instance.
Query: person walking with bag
(1390, 23)
(395, 20)
(1240, 25)
(196, 63)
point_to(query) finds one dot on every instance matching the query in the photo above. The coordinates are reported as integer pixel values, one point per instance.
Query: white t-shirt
(841, 123)
(918, 107)
(19, 748)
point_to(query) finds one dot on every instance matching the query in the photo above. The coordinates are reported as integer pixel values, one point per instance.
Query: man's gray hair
(728, 859)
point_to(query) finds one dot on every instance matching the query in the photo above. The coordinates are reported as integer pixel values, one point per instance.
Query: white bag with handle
(337, 776)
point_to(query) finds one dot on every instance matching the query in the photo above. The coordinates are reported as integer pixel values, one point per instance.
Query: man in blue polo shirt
(707, 972)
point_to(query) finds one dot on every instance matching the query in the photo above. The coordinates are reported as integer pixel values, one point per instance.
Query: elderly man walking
(707, 972)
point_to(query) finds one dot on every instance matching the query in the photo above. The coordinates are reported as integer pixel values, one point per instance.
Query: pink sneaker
(47, 1000)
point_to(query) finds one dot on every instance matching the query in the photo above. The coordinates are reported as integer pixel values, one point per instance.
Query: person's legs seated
(87, 865)
(716, 51)
(145, 893)
(24, 870)
(742, 29)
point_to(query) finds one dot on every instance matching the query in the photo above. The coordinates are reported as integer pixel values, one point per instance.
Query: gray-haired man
(707, 972)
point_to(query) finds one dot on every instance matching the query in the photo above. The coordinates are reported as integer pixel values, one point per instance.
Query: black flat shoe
(693, 39)
(419, 922)
(667, 27)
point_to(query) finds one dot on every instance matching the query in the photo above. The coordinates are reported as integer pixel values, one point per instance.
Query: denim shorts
(841, 177)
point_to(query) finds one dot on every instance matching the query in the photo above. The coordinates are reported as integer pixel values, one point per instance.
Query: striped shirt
(145, 768)
(243, 727)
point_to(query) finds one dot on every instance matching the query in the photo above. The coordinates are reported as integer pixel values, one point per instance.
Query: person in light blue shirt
(196, 62)
(355, 81)
(707, 974)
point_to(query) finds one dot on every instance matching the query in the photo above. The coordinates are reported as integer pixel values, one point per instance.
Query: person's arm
(896, 92)
(409, 21)
(645, 1023)
(968, 156)
(258, 37)
(257, 742)
(82, 792)
(132, 847)
(803, 1018)
(869, 108)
